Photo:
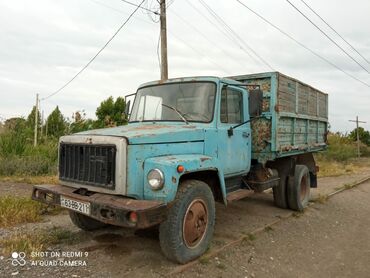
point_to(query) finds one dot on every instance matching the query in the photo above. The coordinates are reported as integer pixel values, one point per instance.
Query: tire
(179, 240)
(299, 188)
(280, 193)
(84, 222)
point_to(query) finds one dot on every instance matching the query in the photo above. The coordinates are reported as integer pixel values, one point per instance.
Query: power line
(140, 7)
(222, 22)
(176, 37)
(96, 55)
(198, 31)
(350, 45)
(302, 45)
(226, 34)
(326, 35)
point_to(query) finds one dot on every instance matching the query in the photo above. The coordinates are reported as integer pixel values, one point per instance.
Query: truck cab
(188, 144)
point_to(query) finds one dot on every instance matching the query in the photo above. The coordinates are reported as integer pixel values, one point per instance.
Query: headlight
(155, 179)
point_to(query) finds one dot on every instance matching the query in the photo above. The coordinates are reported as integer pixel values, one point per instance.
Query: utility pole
(358, 135)
(42, 123)
(164, 61)
(46, 128)
(36, 119)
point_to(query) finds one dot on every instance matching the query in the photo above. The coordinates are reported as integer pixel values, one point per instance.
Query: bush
(12, 143)
(19, 157)
(27, 165)
(340, 148)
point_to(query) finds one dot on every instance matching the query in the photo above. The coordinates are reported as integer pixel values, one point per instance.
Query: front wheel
(84, 222)
(188, 230)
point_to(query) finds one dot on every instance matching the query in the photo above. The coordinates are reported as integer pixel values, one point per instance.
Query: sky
(44, 43)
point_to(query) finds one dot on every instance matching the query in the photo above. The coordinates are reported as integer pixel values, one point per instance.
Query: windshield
(190, 101)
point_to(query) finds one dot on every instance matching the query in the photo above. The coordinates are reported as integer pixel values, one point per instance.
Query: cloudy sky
(45, 42)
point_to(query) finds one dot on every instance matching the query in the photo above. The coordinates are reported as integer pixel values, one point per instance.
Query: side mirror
(255, 103)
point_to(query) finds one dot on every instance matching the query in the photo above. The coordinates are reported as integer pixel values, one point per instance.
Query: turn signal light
(133, 217)
(180, 169)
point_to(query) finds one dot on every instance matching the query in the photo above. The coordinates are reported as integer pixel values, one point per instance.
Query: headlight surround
(155, 179)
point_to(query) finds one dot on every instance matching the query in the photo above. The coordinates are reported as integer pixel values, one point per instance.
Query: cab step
(239, 194)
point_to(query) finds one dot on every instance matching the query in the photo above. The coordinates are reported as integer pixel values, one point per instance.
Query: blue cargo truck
(191, 142)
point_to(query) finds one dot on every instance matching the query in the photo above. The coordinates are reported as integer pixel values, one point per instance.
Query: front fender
(168, 165)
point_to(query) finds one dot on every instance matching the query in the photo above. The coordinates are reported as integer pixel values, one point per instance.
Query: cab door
(234, 150)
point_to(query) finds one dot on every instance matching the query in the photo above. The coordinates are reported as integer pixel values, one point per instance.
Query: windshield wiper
(177, 111)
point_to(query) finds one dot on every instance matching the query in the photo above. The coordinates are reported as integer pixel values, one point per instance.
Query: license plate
(75, 205)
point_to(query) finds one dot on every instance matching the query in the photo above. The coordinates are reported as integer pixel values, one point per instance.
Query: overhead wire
(96, 55)
(190, 25)
(302, 45)
(326, 35)
(236, 35)
(178, 39)
(140, 6)
(335, 31)
(226, 34)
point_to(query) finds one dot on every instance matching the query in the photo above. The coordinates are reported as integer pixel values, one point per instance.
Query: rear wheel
(84, 222)
(280, 193)
(299, 188)
(188, 230)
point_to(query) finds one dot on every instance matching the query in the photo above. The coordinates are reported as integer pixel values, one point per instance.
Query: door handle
(245, 134)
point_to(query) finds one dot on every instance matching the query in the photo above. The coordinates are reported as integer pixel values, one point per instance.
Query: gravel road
(330, 239)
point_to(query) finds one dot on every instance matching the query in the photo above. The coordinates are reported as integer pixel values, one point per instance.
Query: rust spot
(277, 108)
(171, 158)
(174, 180)
(204, 159)
(262, 134)
(147, 127)
(188, 126)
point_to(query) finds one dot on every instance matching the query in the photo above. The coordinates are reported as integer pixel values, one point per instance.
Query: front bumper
(106, 208)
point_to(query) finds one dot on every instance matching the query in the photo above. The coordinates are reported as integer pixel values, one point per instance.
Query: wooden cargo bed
(295, 117)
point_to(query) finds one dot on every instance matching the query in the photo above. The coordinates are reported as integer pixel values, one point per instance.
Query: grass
(31, 179)
(204, 260)
(221, 266)
(321, 199)
(268, 229)
(297, 214)
(18, 210)
(37, 241)
(341, 157)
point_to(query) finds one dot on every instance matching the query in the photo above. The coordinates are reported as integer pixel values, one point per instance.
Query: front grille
(88, 164)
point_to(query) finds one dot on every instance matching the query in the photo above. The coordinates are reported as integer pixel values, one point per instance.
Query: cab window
(231, 106)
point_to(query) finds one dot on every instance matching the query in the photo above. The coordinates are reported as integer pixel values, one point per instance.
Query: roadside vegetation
(20, 159)
(16, 210)
(341, 156)
(35, 242)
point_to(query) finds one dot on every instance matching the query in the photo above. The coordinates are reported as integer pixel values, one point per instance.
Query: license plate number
(75, 205)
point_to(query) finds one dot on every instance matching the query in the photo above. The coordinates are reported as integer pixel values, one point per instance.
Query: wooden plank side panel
(299, 134)
(323, 104)
(286, 95)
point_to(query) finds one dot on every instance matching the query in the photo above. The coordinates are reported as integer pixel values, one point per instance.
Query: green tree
(80, 123)
(111, 113)
(31, 118)
(29, 129)
(363, 134)
(56, 124)
(14, 138)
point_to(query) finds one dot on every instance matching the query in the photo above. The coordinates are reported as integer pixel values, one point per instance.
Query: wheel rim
(195, 223)
(304, 188)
